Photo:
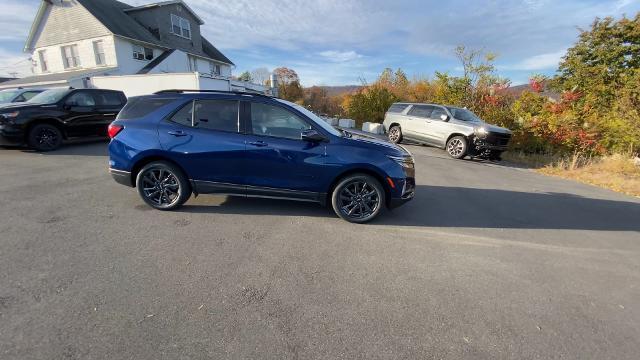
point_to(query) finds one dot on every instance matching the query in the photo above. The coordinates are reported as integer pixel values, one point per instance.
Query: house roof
(164, 3)
(112, 14)
(57, 77)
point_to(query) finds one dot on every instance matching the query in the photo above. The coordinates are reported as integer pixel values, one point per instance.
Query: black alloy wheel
(358, 198)
(163, 186)
(44, 137)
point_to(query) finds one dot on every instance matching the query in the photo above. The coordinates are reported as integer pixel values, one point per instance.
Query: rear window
(397, 108)
(142, 106)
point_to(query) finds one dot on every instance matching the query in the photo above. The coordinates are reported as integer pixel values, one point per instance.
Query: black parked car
(48, 118)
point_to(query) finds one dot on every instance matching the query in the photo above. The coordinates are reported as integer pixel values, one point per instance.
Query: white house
(106, 43)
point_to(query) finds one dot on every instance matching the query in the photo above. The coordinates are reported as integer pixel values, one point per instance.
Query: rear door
(203, 137)
(420, 119)
(108, 105)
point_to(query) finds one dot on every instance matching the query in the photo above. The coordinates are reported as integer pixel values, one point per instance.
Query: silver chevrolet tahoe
(459, 131)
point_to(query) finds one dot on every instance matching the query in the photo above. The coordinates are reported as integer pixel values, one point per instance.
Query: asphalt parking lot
(487, 262)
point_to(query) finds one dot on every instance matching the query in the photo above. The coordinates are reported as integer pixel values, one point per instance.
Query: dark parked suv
(53, 115)
(175, 143)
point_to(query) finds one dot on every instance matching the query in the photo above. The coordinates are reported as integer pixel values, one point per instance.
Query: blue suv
(177, 142)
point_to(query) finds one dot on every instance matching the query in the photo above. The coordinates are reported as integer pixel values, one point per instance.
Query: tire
(457, 147)
(395, 134)
(44, 137)
(354, 194)
(163, 186)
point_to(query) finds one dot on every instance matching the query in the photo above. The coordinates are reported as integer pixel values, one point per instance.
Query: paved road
(488, 262)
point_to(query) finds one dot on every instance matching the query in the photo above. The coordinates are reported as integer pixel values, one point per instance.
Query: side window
(275, 121)
(437, 112)
(183, 116)
(29, 94)
(221, 115)
(81, 98)
(421, 111)
(107, 98)
(397, 108)
(19, 98)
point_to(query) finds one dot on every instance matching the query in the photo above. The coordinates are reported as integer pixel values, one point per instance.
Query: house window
(42, 56)
(214, 69)
(98, 51)
(70, 56)
(180, 26)
(142, 53)
(193, 63)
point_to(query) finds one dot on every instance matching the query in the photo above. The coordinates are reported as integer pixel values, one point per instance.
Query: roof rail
(182, 91)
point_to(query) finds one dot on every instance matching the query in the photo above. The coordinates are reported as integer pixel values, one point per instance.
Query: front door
(81, 118)
(438, 128)
(204, 138)
(278, 162)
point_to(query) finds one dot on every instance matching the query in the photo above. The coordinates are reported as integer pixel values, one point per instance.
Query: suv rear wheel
(163, 186)
(457, 147)
(395, 134)
(44, 137)
(358, 198)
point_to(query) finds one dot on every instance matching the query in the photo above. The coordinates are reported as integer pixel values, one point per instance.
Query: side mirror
(311, 135)
(444, 117)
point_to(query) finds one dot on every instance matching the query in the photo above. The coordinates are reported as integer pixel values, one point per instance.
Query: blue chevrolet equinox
(177, 142)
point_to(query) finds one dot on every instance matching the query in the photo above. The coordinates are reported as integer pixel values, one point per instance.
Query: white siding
(124, 52)
(67, 21)
(85, 50)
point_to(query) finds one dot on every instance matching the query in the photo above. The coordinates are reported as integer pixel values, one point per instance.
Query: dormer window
(180, 26)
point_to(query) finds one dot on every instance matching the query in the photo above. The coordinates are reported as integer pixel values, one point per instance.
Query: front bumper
(407, 192)
(121, 177)
(10, 137)
(493, 141)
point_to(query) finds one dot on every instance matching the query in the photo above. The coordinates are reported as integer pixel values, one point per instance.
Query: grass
(617, 172)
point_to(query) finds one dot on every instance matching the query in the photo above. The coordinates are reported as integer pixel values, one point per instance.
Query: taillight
(114, 129)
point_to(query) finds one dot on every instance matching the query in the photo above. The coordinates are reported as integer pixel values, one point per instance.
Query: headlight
(481, 132)
(404, 161)
(11, 114)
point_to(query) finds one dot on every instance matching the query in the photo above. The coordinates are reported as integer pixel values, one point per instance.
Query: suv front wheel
(457, 147)
(358, 198)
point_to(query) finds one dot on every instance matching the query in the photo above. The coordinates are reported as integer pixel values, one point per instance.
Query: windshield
(7, 96)
(323, 124)
(463, 114)
(49, 96)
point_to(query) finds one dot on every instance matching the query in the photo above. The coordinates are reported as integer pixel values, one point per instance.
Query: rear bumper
(121, 177)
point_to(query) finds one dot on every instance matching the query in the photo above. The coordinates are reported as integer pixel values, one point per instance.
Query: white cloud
(16, 18)
(546, 61)
(340, 56)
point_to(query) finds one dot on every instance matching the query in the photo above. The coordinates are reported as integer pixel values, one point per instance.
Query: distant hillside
(339, 90)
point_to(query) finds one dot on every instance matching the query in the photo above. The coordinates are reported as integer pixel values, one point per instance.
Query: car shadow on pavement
(94, 147)
(442, 206)
(255, 206)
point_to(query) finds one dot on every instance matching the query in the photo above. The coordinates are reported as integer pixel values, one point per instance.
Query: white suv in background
(459, 131)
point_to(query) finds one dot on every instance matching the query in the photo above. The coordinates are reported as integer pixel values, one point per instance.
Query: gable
(63, 21)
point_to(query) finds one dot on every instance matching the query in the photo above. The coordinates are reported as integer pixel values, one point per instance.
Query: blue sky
(338, 42)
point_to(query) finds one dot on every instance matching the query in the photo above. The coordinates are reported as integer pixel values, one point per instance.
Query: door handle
(258, 143)
(177, 133)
